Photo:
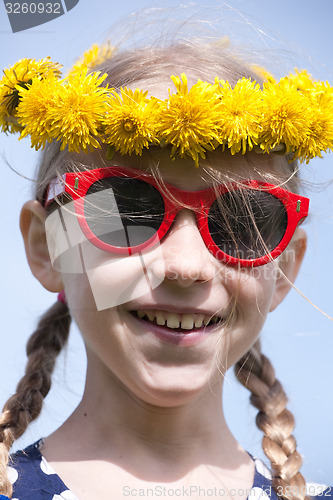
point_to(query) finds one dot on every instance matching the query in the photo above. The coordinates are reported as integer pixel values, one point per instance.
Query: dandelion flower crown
(292, 115)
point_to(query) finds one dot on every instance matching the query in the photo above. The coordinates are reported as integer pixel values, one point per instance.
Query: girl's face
(155, 343)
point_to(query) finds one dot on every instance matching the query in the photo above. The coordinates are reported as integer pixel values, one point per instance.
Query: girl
(168, 218)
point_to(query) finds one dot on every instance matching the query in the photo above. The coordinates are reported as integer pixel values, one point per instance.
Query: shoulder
(262, 486)
(33, 478)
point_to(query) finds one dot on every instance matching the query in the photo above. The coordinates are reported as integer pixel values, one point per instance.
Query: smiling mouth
(178, 322)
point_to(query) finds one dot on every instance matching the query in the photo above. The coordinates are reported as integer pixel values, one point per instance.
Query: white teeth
(199, 320)
(173, 320)
(185, 321)
(160, 318)
(151, 316)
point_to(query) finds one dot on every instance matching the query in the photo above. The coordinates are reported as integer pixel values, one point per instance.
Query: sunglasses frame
(76, 184)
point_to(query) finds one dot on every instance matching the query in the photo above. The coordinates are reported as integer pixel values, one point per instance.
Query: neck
(167, 441)
(151, 425)
(115, 422)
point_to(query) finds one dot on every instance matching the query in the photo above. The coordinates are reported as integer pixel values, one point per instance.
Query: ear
(32, 224)
(289, 265)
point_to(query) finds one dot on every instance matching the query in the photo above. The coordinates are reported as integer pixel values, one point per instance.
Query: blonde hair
(145, 67)
(25, 405)
(256, 373)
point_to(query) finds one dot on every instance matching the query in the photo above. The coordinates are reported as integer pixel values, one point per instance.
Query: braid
(25, 405)
(256, 373)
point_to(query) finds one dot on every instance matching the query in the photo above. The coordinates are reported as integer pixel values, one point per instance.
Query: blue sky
(297, 337)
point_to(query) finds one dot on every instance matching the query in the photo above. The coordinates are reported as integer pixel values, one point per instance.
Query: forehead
(219, 166)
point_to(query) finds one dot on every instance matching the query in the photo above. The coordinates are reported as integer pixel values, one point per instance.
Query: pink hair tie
(61, 298)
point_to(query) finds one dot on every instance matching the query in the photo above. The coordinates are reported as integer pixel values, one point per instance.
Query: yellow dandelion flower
(302, 80)
(33, 111)
(240, 115)
(20, 76)
(130, 121)
(263, 73)
(77, 112)
(8, 123)
(320, 134)
(5, 122)
(285, 116)
(93, 57)
(189, 119)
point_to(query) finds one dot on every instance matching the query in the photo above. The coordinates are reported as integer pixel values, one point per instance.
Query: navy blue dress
(34, 479)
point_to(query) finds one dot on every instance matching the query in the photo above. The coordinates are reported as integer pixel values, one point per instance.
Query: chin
(177, 386)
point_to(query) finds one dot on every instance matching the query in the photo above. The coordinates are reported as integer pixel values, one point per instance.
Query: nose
(186, 259)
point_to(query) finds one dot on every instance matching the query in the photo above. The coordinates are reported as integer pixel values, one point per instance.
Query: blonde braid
(25, 405)
(256, 373)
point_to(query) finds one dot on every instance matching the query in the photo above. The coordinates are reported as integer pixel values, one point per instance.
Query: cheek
(252, 291)
(95, 326)
(109, 281)
(257, 286)
(78, 293)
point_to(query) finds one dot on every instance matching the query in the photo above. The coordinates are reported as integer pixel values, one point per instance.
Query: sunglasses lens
(247, 224)
(122, 211)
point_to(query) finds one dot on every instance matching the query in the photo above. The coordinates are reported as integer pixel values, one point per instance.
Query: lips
(181, 331)
(185, 322)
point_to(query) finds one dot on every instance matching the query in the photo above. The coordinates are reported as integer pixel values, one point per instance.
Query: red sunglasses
(125, 211)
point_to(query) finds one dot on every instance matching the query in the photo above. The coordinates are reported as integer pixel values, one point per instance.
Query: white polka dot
(65, 495)
(46, 468)
(262, 469)
(258, 494)
(12, 474)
